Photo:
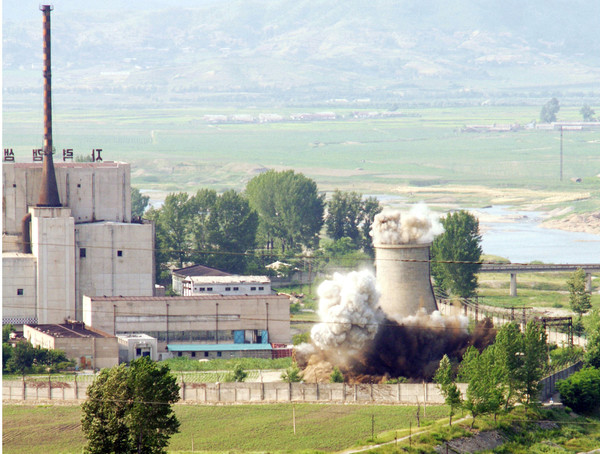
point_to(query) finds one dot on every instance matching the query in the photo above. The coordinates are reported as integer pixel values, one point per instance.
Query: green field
(423, 156)
(56, 429)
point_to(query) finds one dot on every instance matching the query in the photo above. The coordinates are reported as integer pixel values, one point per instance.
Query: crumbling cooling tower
(403, 279)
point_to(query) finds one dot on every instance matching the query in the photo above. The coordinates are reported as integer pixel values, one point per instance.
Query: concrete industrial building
(404, 279)
(90, 348)
(87, 246)
(198, 320)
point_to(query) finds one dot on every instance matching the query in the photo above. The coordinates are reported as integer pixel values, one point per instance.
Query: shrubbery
(581, 391)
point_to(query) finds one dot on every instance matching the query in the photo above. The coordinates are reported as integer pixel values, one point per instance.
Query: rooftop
(72, 330)
(232, 279)
(168, 299)
(199, 270)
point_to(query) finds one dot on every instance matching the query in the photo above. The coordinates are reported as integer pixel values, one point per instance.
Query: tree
(22, 358)
(580, 299)
(460, 244)
(549, 111)
(535, 360)
(344, 216)
(445, 379)
(139, 202)
(336, 376)
(509, 354)
(289, 207)
(201, 206)
(129, 409)
(581, 391)
(370, 208)
(232, 227)
(174, 220)
(292, 374)
(592, 354)
(239, 374)
(348, 215)
(587, 113)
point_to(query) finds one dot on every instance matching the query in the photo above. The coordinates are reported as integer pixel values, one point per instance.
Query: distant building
(178, 275)
(226, 285)
(89, 347)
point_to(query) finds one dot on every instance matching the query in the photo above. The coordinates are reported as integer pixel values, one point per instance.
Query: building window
(179, 354)
(227, 289)
(261, 288)
(20, 291)
(82, 252)
(235, 289)
(119, 253)
(252, 289)
(193, 354)
(138, 351)
(205, 354)
(209, 289)
(202, 289)
(219, 354)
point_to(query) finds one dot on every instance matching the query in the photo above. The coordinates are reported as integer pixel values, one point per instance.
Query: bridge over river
(515, 268)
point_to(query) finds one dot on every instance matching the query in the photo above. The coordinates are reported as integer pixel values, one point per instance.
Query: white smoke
(419, 225)
(435, 320)
(349, 312)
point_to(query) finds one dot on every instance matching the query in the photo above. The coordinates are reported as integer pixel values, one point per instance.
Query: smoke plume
(419, 225)
(356, 336)
(348, 312)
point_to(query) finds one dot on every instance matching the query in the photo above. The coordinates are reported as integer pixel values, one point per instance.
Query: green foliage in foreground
(581, 391)
(128, 409)
(188, 364)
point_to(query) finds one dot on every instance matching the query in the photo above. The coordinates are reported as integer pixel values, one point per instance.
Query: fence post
(290, 388)
(262, 391)
(49, 388)
(355, 392)
(398, 392)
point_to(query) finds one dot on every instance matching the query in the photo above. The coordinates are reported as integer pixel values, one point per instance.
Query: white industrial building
(226, 285)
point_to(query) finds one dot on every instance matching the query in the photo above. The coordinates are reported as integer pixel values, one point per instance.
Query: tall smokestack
(49, 190)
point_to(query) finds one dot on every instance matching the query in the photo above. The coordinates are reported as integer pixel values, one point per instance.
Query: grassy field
(419, 157)
(540, 290)
(56, 429)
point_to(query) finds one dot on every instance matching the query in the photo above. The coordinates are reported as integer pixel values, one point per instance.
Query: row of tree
(278, 214)
(506, 372)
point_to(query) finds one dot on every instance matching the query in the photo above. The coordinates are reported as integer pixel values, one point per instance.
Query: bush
(581, 391)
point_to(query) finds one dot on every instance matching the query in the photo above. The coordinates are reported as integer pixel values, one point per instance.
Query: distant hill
(295, 51)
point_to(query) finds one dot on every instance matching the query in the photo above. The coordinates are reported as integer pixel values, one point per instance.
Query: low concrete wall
(210, 393)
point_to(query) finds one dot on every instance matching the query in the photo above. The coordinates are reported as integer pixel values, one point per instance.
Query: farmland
(56, 429)
(422, 155)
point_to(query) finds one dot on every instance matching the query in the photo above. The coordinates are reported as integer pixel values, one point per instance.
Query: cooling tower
(403, 279)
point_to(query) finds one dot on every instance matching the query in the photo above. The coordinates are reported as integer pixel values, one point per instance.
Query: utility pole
(561, 153)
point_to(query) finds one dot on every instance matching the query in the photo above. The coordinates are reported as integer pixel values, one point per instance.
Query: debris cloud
(418, 226)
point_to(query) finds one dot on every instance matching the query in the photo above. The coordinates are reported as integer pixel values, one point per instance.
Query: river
(521, 239)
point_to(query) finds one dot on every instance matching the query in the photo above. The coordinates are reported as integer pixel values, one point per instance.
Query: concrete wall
(53, 243)
(19, 272)
(210, 393)
(190, 313)
(234, 287)
(103, 271)
(93, 191)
